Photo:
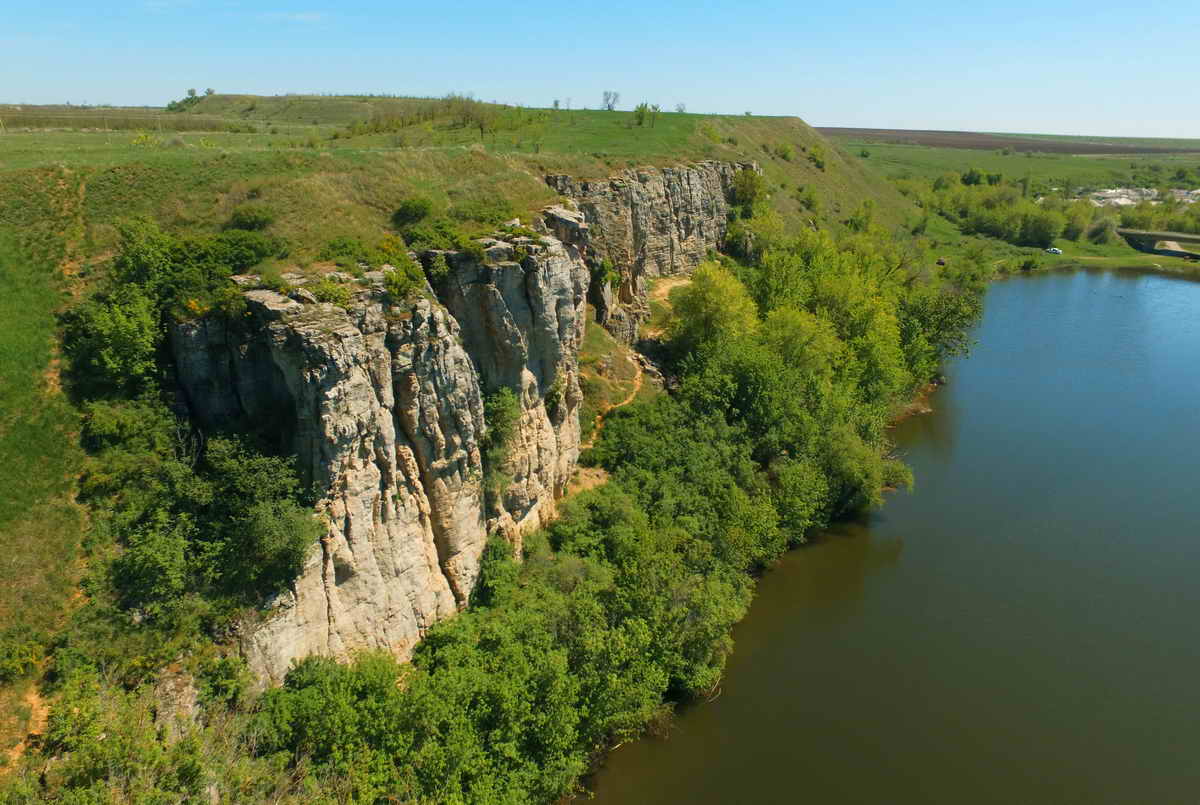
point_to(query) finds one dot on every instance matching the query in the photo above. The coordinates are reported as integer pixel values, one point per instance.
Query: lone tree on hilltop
(610, 99)
(681, 108)
(210, 91)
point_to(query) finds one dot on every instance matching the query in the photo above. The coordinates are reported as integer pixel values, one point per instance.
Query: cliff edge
(382, 402)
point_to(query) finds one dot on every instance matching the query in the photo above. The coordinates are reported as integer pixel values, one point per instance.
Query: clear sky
(1055, 66)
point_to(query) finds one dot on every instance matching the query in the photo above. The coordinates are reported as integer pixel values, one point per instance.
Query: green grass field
(897, 161)
(326, 179)
(40, 526)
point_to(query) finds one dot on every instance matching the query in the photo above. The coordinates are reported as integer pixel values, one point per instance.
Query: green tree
(112, 340)
(713, 307)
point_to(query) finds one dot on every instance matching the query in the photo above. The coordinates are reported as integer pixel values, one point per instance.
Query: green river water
(1022, 627)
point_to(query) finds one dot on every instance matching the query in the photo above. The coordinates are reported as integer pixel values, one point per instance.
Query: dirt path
(591, 477)
(39, 712)
(637, 386)
(659, 293)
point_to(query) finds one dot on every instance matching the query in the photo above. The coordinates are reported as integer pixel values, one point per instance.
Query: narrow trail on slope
(637, 386)
(39, 713)
(592, 477)
(659, 293)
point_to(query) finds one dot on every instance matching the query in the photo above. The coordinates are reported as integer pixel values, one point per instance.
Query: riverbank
(988, 637)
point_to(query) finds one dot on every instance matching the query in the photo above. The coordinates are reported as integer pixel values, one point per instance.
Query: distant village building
(1129, 196)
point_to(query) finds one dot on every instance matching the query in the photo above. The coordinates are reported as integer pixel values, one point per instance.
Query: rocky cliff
(648, 222)
(382, 404)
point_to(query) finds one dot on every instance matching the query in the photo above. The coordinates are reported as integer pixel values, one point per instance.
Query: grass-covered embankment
(40, 526)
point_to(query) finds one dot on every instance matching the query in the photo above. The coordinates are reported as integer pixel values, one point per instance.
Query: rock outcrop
(524, 322)
(383, 406)
(383, 403)
(647, 222)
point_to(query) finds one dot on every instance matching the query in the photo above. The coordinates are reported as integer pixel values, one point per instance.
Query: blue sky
(1057, 66)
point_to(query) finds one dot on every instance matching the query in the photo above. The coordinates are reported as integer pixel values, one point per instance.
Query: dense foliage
(188, 528)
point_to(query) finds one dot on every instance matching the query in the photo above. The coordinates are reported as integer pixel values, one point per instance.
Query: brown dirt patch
(659, 294)
(662, 289)
(39, 712)
(586, 478)
(918, 405)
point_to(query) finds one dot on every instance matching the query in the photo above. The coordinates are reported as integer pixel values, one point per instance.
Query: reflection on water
(1019, 629)
(829, 576)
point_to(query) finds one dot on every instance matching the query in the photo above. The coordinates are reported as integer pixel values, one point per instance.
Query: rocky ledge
(382, 403)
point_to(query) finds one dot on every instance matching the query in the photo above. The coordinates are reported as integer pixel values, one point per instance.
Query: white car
(1053, 250)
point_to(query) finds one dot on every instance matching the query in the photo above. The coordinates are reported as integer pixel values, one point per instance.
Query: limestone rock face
(648, 222)
(526, 315)
(383, 407)
(383, 410)
(383, 404)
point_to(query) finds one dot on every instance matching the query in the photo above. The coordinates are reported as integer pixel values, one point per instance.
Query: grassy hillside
(414, 143)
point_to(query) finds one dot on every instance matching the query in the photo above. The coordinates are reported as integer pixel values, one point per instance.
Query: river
(1022, 627)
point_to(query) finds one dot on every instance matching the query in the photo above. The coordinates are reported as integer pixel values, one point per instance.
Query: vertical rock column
(383, 409)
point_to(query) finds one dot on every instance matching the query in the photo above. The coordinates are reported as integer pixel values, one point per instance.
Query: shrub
(349, 251)
(411, 211)
(326, 290)
(501, 412)
(489, 210)
(238, 249)
(20, 652)
(251, 217)
(785, 151)
(606, 273)
(806, 197)
(403, 280)
(111, 340)
(438, 234)
(438, 268)
(816, 155)
(748, 187)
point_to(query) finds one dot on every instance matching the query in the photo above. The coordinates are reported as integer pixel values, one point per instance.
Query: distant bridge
(1146, 241)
